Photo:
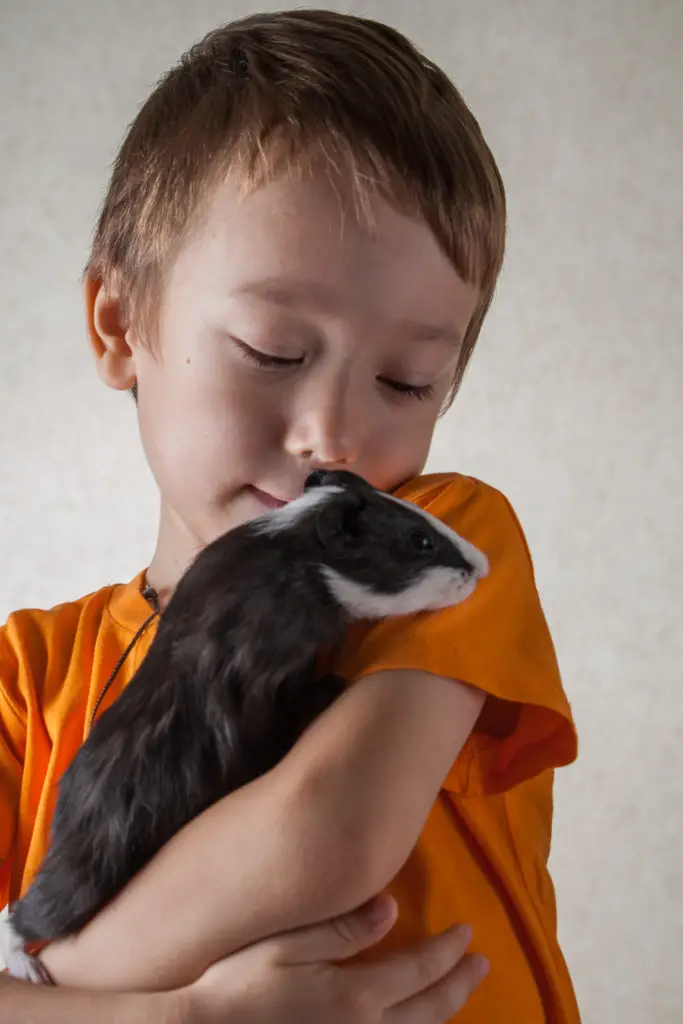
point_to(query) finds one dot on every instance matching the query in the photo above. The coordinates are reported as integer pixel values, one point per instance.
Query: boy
(299, 244)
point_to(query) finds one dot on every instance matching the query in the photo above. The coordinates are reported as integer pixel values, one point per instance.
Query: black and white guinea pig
(229, 683)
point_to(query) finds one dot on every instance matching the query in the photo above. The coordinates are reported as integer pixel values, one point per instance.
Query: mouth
(268, 500)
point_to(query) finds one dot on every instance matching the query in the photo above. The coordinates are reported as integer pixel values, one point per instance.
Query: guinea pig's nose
(319, 478)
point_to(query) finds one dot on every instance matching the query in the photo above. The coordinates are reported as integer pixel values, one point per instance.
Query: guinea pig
(229, 682)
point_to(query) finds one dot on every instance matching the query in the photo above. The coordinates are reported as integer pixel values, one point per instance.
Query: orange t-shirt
(482, 855)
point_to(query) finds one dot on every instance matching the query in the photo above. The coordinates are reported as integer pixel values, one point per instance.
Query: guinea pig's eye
(421, 540)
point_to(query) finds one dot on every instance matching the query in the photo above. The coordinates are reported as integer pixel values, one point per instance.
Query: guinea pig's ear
(340, 521)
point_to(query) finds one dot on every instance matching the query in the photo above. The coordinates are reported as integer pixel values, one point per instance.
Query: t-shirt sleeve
(12, 749)
(497, 640)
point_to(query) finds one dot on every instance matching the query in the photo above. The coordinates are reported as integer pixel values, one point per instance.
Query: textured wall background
(572, 406)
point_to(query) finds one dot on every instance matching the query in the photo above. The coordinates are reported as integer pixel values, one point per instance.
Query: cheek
(399, 450)
(203, 432)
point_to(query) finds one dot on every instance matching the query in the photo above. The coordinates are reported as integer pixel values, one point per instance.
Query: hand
(293, 978)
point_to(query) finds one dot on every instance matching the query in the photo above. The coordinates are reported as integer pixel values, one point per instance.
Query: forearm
(21, 1003)
(326, 830)
(264, 860)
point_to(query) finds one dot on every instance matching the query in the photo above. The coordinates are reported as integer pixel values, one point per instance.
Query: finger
(438, 1004)
(340, 938)
(396, 978)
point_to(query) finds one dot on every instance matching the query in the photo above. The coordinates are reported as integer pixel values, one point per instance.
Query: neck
(176, 548)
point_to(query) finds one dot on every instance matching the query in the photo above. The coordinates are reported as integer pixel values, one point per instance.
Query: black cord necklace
(150, 595)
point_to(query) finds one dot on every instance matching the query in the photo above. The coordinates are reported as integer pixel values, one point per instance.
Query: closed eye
(403, 390)
(266, 359)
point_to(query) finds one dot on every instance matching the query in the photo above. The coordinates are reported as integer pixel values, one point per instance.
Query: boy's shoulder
(33, 639)
(449, 490)
(63, 617)
(466, 504)
(481, 514)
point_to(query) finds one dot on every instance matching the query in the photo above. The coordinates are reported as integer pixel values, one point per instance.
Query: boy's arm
(22, 1002)
(327, 829)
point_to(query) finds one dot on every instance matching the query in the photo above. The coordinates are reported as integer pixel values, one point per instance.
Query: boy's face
(289, 337)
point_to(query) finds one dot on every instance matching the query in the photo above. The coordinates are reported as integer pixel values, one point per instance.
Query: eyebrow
(293, 294)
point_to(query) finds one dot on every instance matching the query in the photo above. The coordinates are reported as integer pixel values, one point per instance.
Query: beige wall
(573, 404)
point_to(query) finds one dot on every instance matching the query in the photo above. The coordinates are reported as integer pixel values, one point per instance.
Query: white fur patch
(17, 961)
(282, 518)
(473, 555)
(434, 589)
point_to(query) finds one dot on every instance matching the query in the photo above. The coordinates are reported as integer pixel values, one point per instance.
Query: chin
(239, 510)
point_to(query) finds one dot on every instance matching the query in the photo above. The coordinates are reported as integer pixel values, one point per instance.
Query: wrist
(184, 1006)
(66, 970)
(188, 1006)
(60, 959)
(148, 1007)
(204, 1001)
(169, 1008)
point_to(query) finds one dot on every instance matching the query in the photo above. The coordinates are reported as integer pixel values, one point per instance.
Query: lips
(269, 500)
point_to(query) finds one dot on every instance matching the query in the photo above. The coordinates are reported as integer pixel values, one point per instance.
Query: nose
(326, 422)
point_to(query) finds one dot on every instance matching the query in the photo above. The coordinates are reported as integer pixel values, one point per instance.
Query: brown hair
(276, 90)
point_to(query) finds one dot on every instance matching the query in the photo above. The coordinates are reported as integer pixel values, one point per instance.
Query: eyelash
(264, 360)
(399, 388)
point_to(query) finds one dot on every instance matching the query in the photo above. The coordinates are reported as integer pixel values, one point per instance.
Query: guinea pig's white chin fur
(287, 517)
(435, 589)
(455, 590)
(444, 587)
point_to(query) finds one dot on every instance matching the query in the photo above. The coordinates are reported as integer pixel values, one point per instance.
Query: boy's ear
(108, 335)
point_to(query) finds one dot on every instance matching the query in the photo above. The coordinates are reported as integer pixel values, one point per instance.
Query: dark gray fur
(227, 687)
